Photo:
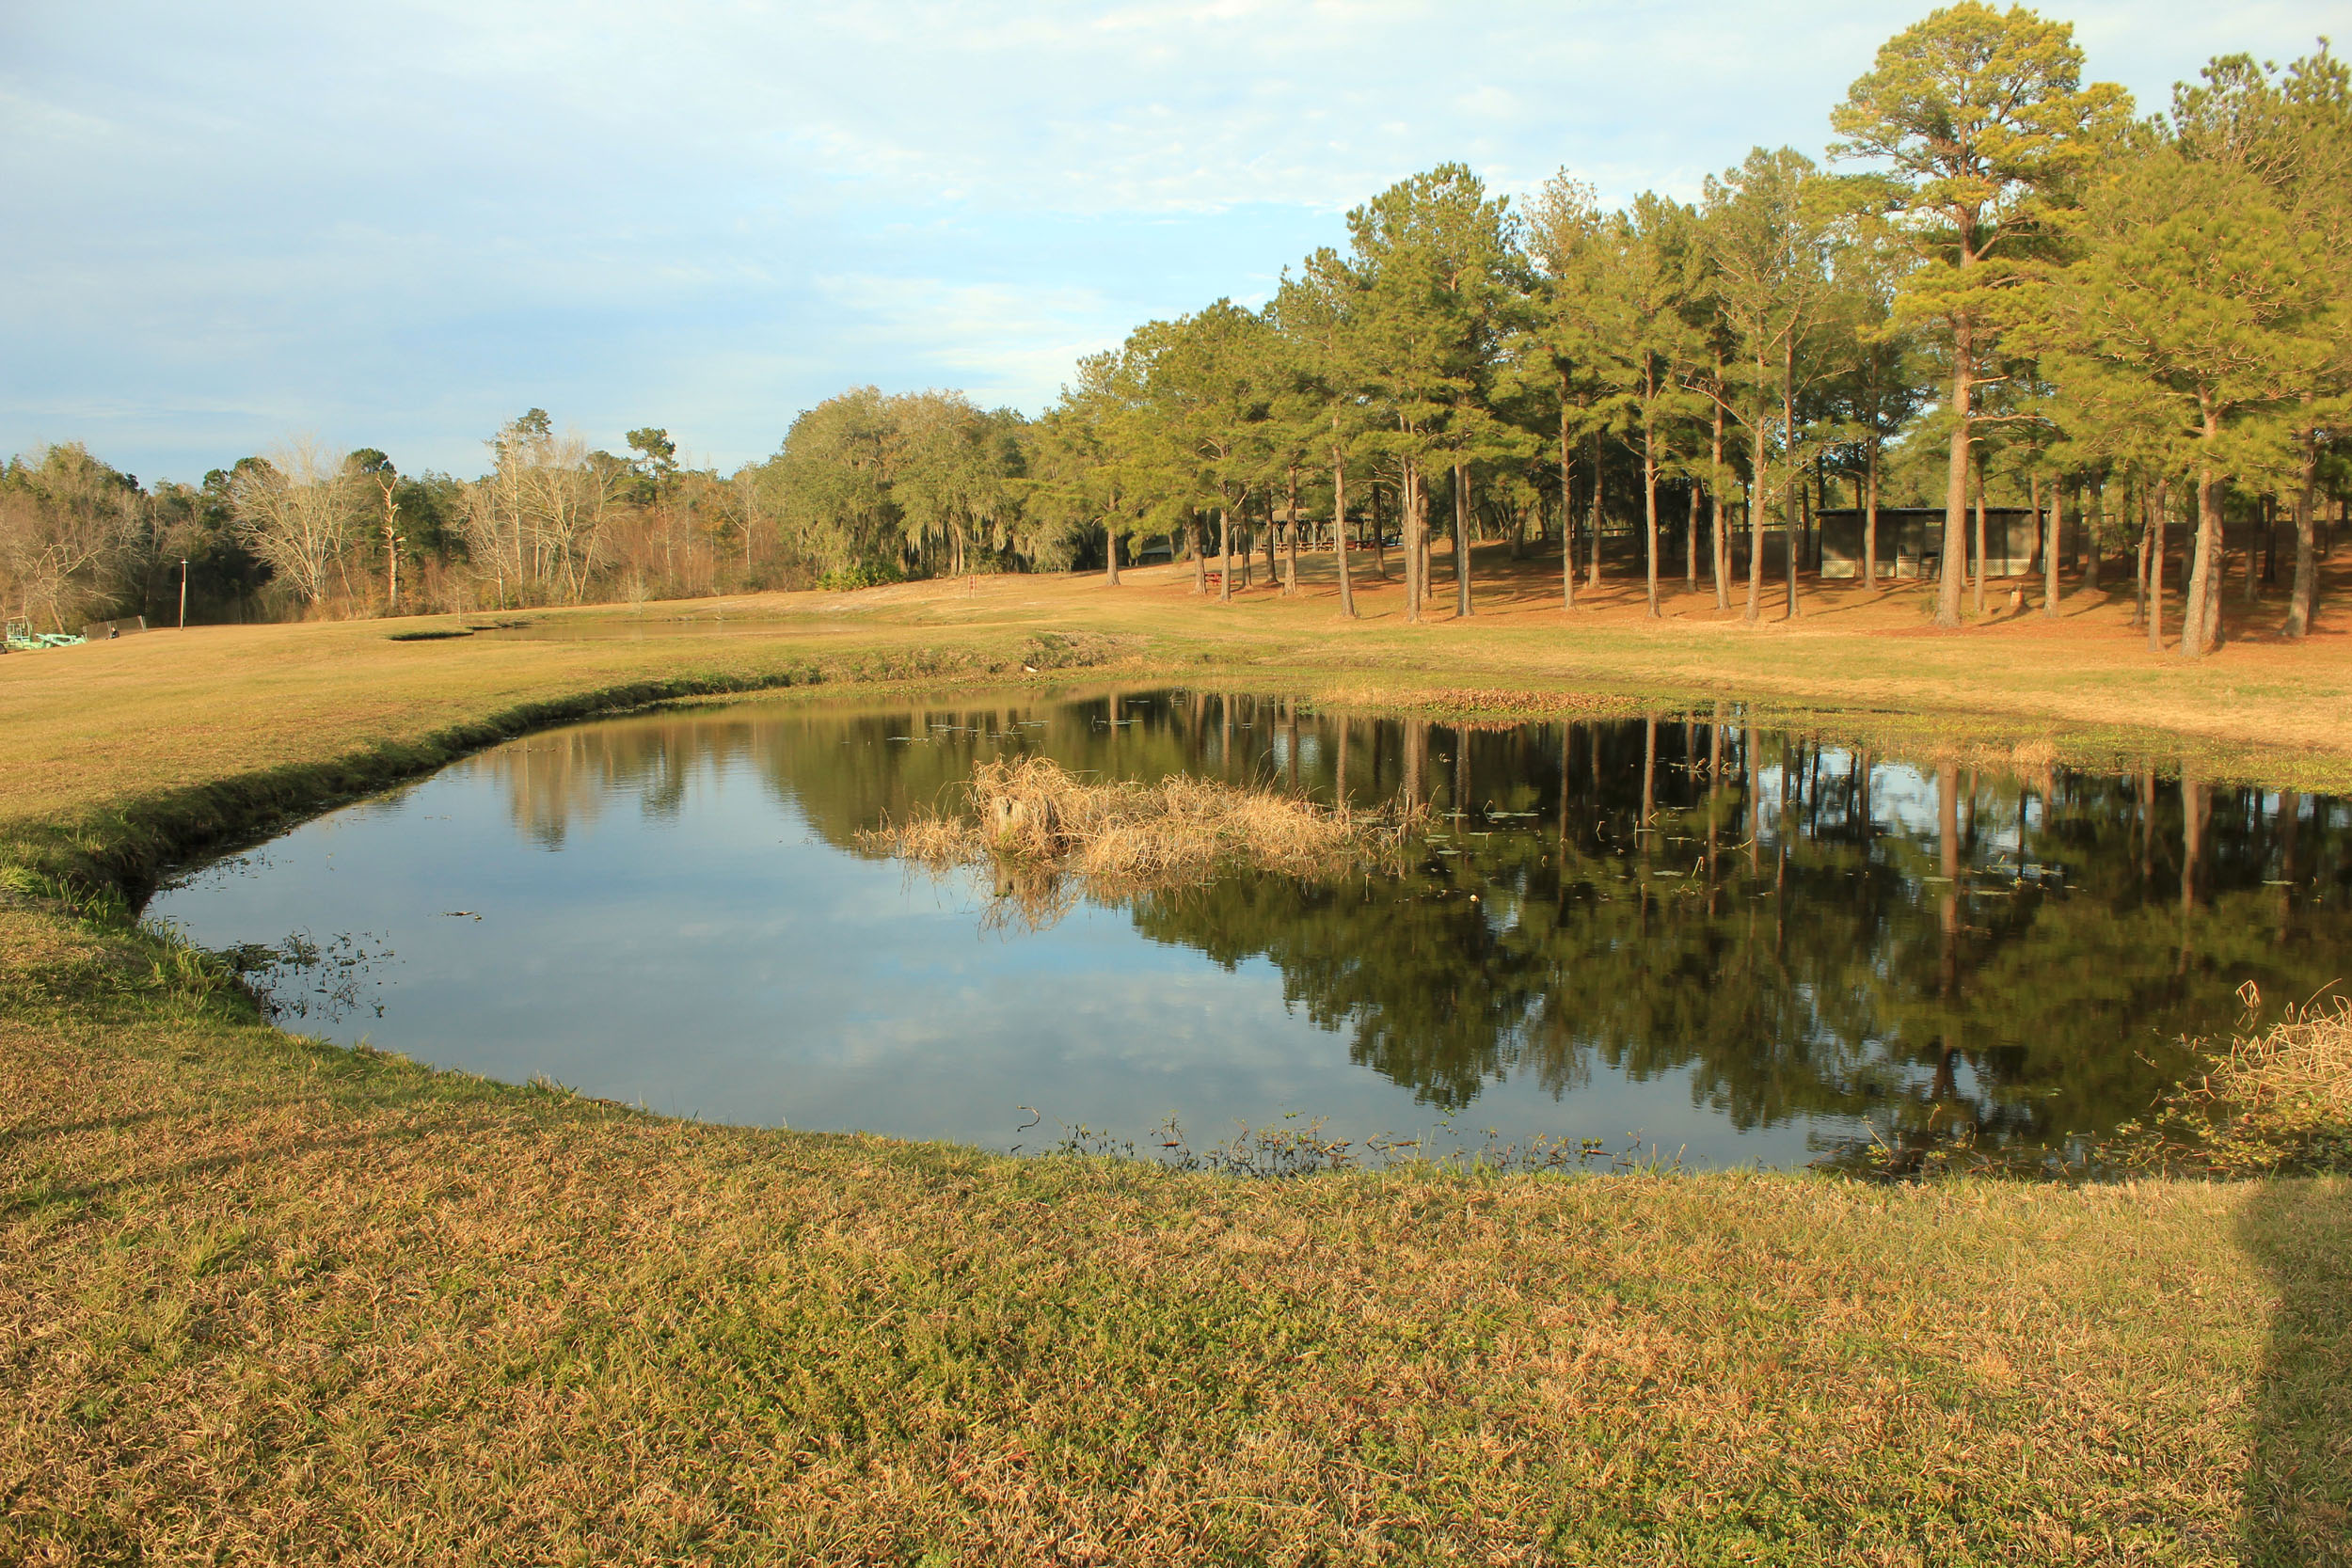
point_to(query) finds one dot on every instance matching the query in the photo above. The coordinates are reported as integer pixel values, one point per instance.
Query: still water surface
(1744, 947)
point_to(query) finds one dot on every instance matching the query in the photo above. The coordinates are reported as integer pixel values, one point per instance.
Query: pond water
(1737, 946)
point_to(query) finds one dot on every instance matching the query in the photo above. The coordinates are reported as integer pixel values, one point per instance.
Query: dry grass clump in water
(2278, 1100)
(1028, 812)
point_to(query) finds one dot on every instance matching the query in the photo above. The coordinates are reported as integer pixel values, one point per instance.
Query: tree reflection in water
(2008, 956)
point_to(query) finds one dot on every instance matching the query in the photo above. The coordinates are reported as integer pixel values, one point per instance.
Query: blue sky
(398, 225)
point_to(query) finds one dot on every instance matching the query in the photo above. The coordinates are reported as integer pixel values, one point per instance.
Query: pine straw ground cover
(266, 1300)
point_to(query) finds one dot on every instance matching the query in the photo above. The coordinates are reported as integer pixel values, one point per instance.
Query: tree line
(302, 531)
(2005, 287)
(2134, 323)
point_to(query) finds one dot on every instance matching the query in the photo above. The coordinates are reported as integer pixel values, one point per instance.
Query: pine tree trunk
(1224, 555)
(2200, 613)
(1110, 545)
(2155, 566)
(1568, 506)
(2269, 516)
(1956, 468)
(1721, 541)
(1982, 565)
(1592, 571)
(1757, 475)
(1415, 521)
(1461, 542)
(1690, 543)
(1792, 493)
(1649, 512)
(2033, 504)
(1338, 541)
(2051, 545)
(2139, 556)
(2300, 600)
(2092, 528)
(1290, 540)
(1428, 554)
(1871, 521)
(2217, 576)
(1198, 548)
(1793, 502)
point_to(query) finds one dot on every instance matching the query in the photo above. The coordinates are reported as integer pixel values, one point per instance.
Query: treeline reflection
(2006, 955)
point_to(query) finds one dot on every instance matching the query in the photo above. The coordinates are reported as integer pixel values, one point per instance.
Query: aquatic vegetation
(1027, 813)
(2279, 1100)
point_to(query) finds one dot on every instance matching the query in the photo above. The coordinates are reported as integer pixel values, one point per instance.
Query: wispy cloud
(404, 223)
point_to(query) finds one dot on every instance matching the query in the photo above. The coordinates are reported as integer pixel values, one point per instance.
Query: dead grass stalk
(2277, 1099)
(1028, 814)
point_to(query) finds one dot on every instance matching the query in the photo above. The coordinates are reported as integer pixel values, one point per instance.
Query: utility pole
(183, 594)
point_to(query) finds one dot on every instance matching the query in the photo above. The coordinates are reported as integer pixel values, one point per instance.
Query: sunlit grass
(263, 1299)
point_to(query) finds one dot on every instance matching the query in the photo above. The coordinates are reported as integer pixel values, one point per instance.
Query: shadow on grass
(2298, 1492)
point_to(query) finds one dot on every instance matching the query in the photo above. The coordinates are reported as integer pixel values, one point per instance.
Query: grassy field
(263, 1299)
(94, 730)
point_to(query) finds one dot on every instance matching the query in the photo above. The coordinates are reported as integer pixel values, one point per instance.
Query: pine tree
(2195, 292)
(1766, 234)
(1321, 405)
(1648, 284)
(2293, 135)
(1564, 241)
(1436, 259)
(1978, 117)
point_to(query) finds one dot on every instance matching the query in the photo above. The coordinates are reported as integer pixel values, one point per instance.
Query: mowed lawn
(266, 1300)
(100, 726)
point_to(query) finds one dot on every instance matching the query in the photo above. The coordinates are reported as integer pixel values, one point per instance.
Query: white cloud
(424, 211)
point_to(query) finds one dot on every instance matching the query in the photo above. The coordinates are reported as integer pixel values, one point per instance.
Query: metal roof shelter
(1911, 541)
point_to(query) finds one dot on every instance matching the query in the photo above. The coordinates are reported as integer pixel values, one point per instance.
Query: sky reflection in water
(1747, 946)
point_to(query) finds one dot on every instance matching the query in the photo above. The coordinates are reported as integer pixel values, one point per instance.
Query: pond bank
(270, 1299)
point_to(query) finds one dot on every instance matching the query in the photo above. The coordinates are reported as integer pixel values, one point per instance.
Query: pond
(1730, 945)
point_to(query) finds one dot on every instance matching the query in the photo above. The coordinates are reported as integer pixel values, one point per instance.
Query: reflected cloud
(1757, 939)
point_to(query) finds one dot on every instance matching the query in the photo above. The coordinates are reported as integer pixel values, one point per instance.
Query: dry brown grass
(2276, 1099)
(262, 1300)
(91, 728)
(1028, 814)
(266, 1300)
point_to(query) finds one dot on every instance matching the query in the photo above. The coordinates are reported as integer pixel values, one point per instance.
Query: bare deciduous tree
(300, 511)
(67, 523)
(535, 522)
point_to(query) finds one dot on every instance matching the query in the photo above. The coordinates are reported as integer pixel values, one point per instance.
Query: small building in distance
(1911, 541)
(100, 632)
